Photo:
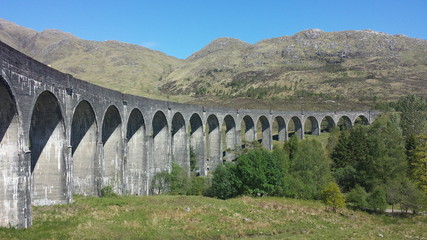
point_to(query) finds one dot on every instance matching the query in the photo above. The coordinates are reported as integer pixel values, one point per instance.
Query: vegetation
(196, 217)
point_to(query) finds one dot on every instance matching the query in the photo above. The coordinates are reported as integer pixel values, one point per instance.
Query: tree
(419, 163)
(332, 196)
(309, 170)
(377, 200)
(225, 183)
(413, 114)
(261, 173)
(357, 198)
(370, 155)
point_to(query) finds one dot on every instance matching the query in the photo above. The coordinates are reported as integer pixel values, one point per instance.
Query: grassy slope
(165, 217)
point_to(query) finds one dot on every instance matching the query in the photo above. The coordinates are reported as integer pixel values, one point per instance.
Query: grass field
(194, 217)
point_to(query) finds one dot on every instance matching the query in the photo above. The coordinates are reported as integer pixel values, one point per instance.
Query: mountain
(309, 70)
(124, 67)
(359, 66)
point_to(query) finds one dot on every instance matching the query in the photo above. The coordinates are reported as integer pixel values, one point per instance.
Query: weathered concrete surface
(60, 135)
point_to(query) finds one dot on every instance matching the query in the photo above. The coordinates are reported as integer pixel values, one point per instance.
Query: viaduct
(61, 136)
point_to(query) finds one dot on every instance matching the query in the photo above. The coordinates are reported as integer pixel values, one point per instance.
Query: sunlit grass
(194, 217)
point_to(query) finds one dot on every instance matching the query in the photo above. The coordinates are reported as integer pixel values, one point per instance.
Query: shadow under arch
(84, 132)
(197, 143)
(327, 124)
(160, 135)
(9, 155)
(344, 123)
(264, 132)
(279, 129)
(179, 142)
(248, 132)
(112, 149)
(295, 127)
(229, 143)
(213, 142)
(47, 141)
(361, 120)
(136, 153)
(311, 126)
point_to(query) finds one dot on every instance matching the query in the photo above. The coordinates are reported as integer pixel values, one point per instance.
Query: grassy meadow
(196, 217)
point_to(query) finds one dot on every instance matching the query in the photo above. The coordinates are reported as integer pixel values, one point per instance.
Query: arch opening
(47, 140)
(213, 143)
(9, 155)
(135, 159)
(197, 143)
(279, 129)
(327, 124)
(311, 126)
(229, 140)
(179, 142)
(160, 142)
(248, 133)
(264, 132)
(344, 123)
(295, 128)
(361, 120)
(113, 149)
(84, 131)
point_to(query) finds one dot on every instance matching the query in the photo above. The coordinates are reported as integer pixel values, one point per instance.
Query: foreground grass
(193, 217)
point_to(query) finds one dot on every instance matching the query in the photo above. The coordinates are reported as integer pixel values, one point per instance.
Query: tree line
(365, 167)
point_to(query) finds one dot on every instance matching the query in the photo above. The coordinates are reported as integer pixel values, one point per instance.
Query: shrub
(357, 198)
(377, 200)
(332, 196)
(107, 191)
(225, 183)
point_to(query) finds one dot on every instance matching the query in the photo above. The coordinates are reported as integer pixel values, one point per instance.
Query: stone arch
(179, 141)
(279, 129)
(264, 132)
(197, 142)
(295, 127)
(229, 125)
(84, 132)
(311, 126)
(9, 157)
(112, 149)
(327, 124)
(161, 148)
(344, 122)
(213, 142)
(248, 132)
(135, 159)
(361, 120)
(47, 141)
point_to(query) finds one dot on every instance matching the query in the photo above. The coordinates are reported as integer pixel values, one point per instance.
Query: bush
(261, 173)
(357, 198)
(332, 196)
(225, 183)
(107, 191)
(377, 200)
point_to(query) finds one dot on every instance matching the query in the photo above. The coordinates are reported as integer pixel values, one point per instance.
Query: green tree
(357, 198)
(332, 196)
(309, 170)
(261, 173)
(377, 200)
(179, 181)
(370, 155)
(225, 182)
(413, 114)
(419, 163)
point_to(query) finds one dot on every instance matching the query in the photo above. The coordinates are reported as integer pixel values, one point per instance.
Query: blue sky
(179, 28)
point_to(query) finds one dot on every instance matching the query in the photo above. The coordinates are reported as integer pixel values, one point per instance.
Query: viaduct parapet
(61, 136)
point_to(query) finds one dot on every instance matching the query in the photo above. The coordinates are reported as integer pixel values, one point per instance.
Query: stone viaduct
(61, 136)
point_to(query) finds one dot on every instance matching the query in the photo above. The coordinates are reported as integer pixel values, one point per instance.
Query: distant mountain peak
(223, 43)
